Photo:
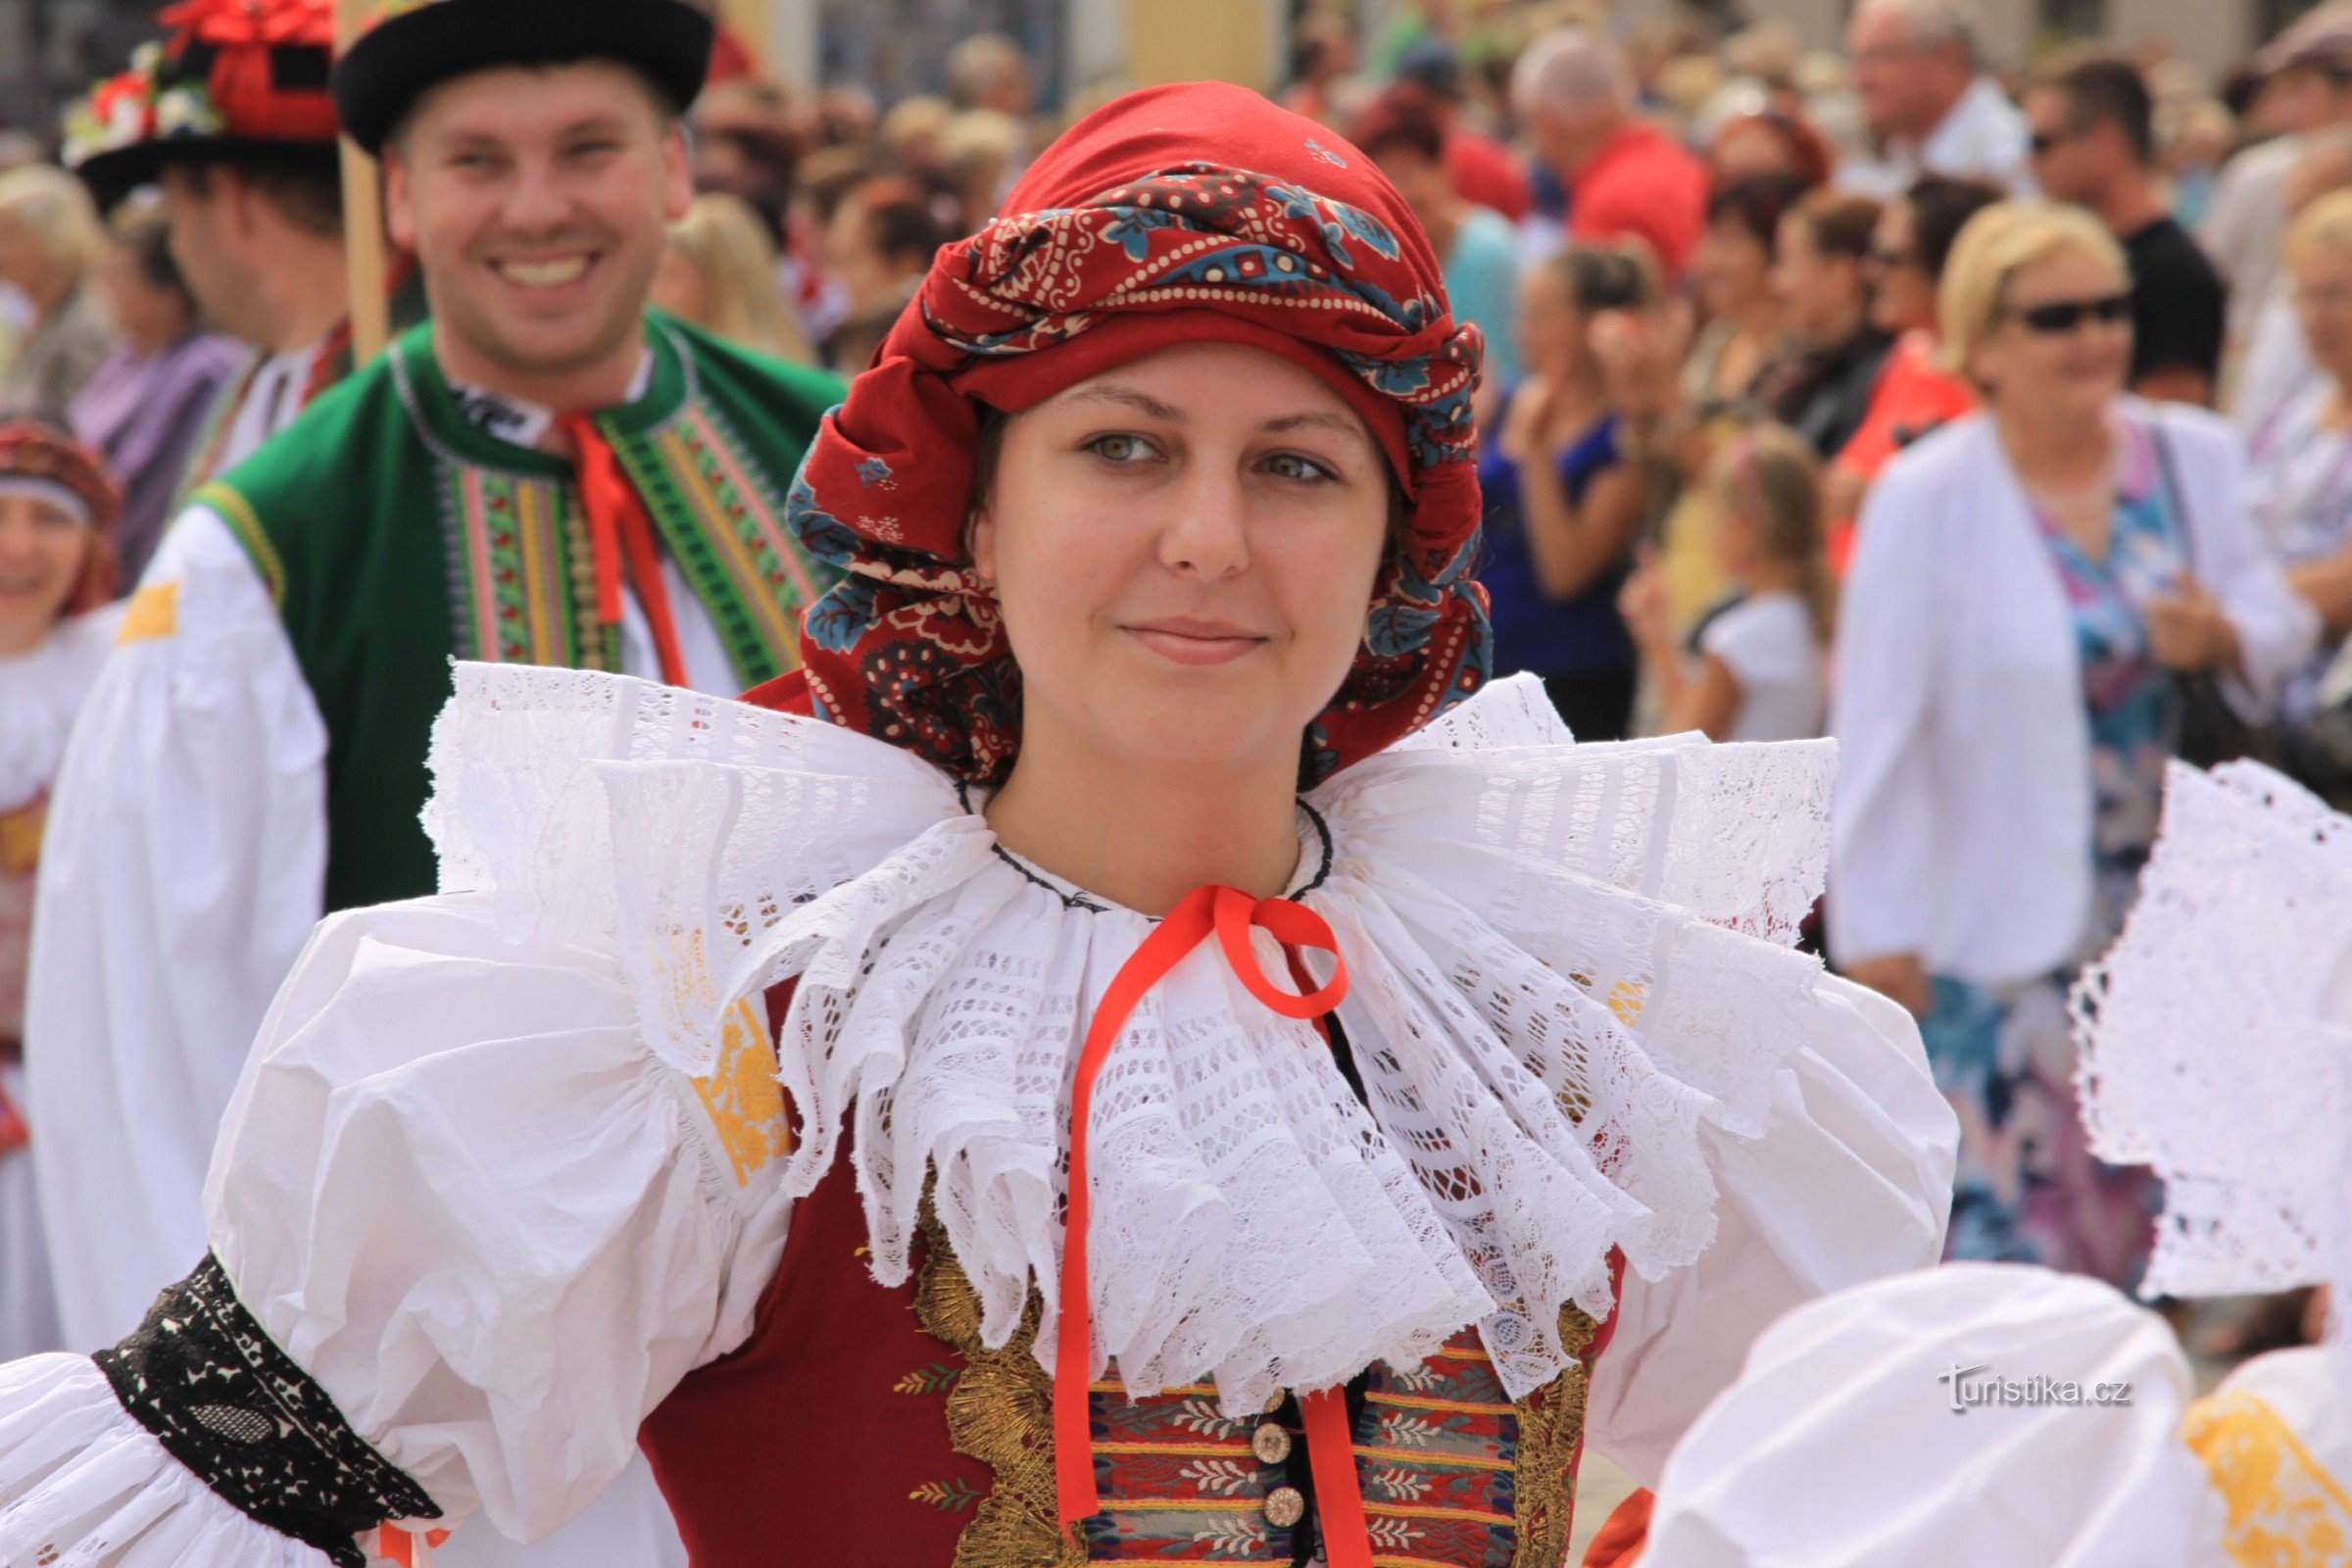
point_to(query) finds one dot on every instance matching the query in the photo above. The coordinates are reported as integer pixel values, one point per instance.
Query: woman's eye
(1291, 465)
(1120, 448)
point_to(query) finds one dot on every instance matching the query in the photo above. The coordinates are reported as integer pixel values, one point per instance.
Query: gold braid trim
(1551, 1433)
(999, 1413)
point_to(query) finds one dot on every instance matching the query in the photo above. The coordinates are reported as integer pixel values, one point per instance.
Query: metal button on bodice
(1271, 1444)
(1284, 1507)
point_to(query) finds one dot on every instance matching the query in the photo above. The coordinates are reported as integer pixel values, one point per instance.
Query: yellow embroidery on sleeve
(152, 615)
(2285, 1511)
(744, 1101)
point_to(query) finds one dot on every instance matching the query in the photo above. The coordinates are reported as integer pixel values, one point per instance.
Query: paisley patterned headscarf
(1191, 214)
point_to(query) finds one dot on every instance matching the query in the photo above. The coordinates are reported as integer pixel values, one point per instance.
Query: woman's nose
(1209, 534)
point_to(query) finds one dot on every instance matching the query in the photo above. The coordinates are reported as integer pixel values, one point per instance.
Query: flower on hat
(119, 112)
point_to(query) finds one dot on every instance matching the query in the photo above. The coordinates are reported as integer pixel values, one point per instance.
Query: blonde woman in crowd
(1755, 670)
(51, 242)
(2032, 583)
(718, 271)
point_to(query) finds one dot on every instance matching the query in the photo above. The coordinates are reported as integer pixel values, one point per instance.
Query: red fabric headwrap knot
(1176, 214)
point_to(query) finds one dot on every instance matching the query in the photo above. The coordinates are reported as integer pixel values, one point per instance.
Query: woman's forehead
(2059, 272)
(1202, 383)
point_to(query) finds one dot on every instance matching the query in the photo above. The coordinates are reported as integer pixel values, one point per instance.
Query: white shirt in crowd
(1982, 136)
(1767, 642)
(1962, 821)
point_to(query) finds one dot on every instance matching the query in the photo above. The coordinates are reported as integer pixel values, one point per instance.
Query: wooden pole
(364, 254)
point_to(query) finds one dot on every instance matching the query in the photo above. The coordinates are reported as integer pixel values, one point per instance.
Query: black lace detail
(1090, 905)
(225, 1401)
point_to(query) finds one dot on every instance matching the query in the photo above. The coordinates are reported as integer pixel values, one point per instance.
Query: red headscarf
(30, 449)
(1192, 213)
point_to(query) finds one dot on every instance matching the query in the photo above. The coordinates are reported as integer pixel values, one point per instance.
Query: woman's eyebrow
(1336, 423)
(1128, 397)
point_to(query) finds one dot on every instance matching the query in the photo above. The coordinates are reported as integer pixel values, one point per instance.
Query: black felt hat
(416, 45)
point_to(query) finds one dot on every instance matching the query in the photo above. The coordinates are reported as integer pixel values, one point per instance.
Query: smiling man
(545, 475)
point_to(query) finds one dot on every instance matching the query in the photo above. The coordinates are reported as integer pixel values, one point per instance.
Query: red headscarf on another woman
(1191, 214)
(43, 456)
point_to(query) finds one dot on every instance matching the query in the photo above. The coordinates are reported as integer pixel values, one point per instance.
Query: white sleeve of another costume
(1850, 1181)
(181, 874)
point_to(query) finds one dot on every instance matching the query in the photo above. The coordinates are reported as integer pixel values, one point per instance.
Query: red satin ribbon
(1230, 914)
(618, 528)
(396, 1545)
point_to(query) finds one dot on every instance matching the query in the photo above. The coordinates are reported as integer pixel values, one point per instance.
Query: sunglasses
(2064, 316)
(1889, 259)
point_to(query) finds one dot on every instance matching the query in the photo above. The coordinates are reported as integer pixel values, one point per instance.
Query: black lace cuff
(225, 1401)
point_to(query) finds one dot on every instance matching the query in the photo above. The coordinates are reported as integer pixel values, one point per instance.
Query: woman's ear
(980, 533)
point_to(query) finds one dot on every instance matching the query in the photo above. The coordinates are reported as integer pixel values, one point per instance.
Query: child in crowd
(1755, 670)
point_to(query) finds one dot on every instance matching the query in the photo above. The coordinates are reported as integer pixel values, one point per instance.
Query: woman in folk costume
(1131, 1056)
(58, 511)
(2217, 1042)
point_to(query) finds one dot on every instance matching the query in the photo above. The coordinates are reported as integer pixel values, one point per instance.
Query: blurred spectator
(1626, 179)
(1916, 392)
(2031, 585)
(745, 145)
(56, 506)
(982, 151)
(50, 245)
(2197, 136)
(878, 247)
(1758, 667)
(1323, 54)
(2305, 86)
(2093, 127)
(1768, 142)
(1927, 103)
(2301, 483)
(913, 134)
(718, 271)
(1485, 172)
(846, 115)
(1475, 246)
(2273, 362)
(1567, 484)
(1823, 384)
(988, 70)
(1730, 275)
(146, 405)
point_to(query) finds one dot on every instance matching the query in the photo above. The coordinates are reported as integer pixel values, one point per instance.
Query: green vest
(395, 534)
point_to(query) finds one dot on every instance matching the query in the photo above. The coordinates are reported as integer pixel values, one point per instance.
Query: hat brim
(113, 174)
(394, 64)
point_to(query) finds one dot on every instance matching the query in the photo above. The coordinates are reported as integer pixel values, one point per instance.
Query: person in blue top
(1568, 484)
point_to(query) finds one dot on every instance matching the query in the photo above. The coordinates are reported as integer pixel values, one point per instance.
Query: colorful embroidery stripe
(235, 510)
(760, 517)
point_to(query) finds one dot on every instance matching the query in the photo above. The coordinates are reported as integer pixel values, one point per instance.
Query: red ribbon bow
(617, 527)
(227, 23)
(1232, 915)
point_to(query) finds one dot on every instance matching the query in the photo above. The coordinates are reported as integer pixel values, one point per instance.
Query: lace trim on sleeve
(221, 1398)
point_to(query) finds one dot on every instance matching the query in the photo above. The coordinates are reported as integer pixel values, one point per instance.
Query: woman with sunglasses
(2033, 583)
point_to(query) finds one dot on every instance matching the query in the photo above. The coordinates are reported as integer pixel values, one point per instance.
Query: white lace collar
(1559, 971)
(40, 692)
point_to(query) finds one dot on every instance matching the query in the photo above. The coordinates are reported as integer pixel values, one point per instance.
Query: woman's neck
(1171, 831)
(23, 635)
(49, 294)
(1775, 578)
(1758, 318)
(2053, 449)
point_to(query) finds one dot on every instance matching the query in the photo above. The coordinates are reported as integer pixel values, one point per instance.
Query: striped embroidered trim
(235, 510)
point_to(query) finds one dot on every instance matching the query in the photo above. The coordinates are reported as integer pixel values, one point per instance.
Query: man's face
(537, 201)
(1905, 89)
(203, 208)
(2067, 154)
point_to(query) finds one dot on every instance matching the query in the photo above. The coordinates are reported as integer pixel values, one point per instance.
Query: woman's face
(1905, 297)
(1729, 269)
(2322, 278)
(1820, 293)
(1551, 329)
(2035, 373)
(23, 264)
(1184, 549)
(42, 551)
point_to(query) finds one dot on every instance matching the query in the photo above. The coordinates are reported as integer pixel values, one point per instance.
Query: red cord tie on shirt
(1232, 915)
(618, 528)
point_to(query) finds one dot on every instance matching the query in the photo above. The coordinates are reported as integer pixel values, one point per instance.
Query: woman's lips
(1196, 646)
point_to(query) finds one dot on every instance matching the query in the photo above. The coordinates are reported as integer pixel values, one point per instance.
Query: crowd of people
(1991, 419)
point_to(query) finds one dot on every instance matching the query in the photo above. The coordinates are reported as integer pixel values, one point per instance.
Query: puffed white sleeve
(1850, 1180)
(460, 1192)
(181, 873)
(1883, 818)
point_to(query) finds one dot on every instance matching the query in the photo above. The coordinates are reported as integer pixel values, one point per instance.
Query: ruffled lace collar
(40, 692)
(1566, 960)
